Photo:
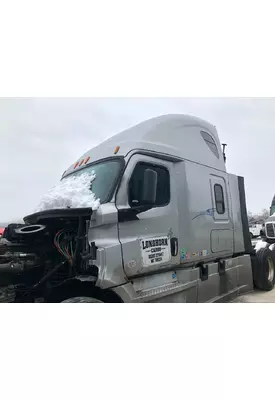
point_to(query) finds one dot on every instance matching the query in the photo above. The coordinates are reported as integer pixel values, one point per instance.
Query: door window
(219, 199)
(136, 185)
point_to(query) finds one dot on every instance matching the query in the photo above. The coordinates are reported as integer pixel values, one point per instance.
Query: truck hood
(47, 216)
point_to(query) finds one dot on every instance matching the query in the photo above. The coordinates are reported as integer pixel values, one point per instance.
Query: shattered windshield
(107, 174)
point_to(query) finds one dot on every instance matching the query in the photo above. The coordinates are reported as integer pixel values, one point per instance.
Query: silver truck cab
(172, 225)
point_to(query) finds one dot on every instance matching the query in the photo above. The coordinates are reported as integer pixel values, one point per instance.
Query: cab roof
(176, 135)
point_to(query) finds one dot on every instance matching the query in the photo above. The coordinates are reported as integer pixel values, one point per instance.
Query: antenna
(223, 151)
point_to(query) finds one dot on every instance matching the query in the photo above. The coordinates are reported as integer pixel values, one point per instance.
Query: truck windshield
(107, 173)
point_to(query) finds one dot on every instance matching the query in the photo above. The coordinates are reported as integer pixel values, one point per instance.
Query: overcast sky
(41, 137)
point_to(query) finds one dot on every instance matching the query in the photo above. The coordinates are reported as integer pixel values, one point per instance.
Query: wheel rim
(270, 269)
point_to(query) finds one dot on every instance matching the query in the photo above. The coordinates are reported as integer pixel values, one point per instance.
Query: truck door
(222, 231)
(217, 284)
(148, 229)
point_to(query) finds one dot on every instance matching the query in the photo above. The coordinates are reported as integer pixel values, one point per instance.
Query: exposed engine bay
(49, 249)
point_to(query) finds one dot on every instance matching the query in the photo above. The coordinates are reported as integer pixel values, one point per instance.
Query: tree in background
(259, 218)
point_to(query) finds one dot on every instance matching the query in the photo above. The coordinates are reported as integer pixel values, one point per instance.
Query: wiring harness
(64, 242)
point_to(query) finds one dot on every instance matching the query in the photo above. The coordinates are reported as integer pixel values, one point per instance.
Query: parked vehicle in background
(255, 230)
(1, 232)
(269, 226)
(272, 208)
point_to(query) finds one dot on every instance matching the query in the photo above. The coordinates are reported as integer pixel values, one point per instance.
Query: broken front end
(48, 258)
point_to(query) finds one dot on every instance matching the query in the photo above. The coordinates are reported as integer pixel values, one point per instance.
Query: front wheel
(82, 299)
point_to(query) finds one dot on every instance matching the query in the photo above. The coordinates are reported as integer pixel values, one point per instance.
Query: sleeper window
(136, 185)
(219, 199)
(210, 143)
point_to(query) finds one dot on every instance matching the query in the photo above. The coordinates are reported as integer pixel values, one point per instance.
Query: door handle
(203, 271)
(221, 267)
(174, 247)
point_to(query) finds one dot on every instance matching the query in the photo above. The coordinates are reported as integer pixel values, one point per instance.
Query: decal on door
(183, 254)
(155, 251)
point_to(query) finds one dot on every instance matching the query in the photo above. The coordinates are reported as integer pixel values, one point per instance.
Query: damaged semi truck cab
(172, 225)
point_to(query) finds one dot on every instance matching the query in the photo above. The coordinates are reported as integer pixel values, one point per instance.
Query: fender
(81, 286)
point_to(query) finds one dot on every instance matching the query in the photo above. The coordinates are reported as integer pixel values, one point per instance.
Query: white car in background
(255, 230)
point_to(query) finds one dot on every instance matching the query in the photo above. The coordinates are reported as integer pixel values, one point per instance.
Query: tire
(264, 271)
(81, 300)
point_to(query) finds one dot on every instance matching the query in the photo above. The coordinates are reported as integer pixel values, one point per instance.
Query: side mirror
(149, 192)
